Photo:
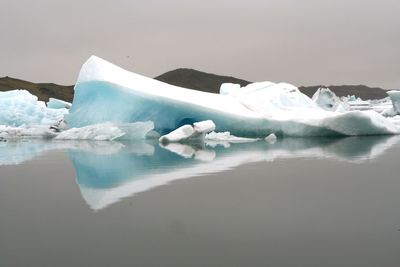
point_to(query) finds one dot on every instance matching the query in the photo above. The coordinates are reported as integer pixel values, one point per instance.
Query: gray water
(298, 202)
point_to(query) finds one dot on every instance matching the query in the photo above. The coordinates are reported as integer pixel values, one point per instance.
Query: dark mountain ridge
(198, 80)
(184, 77)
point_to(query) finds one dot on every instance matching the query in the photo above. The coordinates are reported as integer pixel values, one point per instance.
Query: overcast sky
(304, 42)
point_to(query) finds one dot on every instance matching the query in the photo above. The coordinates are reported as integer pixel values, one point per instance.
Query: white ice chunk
(182, 133)
(328, 100)
(271, 138)
(198, 130)
(395, 97)
(32, 131)
(229, 88)
(204, 126)
(107, 131)
(99, 132)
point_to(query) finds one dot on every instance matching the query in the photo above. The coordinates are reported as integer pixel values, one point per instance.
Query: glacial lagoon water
(297, 202)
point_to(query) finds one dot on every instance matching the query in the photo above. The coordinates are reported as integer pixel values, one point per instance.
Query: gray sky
(304, 42)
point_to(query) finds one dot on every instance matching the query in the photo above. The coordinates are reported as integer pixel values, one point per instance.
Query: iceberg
(327, 100)
(107, 93)
(23, 116)
(395, 97)
(19, 107)
(110, 103)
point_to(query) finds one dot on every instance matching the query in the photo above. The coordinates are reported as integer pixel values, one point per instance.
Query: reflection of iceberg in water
(106, 172)
(107, 178)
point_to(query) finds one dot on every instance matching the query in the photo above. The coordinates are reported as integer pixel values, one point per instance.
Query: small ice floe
(271, 138)
(395, 109)
(188, 132)
(225, 138)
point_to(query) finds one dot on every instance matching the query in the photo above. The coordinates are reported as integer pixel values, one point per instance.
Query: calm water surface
(298, 202)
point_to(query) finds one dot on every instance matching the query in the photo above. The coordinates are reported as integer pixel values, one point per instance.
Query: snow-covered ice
(24, 131)
(395, 97)
(107, 132)
(229, 88)
(204, 126)
(227, 137)
(327, 100)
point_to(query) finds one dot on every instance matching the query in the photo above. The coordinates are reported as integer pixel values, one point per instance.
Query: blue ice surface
(55, 103)
(19, 107)
(97, 102)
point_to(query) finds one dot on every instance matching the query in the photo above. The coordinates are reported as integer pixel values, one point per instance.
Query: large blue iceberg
(111, 103)
(107, 93)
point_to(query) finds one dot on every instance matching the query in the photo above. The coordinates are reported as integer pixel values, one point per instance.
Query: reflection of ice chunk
(19, 107)
(15, 152)
(255, 110)
(107, 131)
(187, 151)
(328, 100)
(57, 104)
(227, 137)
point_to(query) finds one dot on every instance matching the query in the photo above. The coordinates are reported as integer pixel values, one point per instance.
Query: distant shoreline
(187, 78)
